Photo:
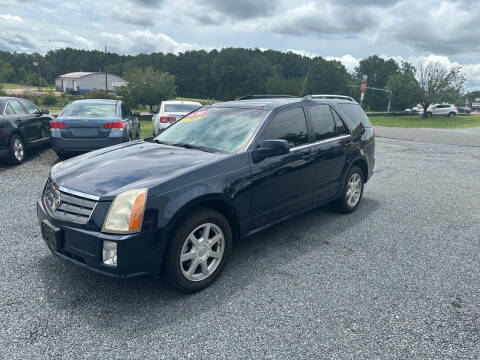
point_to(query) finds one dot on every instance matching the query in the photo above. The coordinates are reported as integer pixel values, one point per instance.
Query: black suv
(174, 204)
(22, 126)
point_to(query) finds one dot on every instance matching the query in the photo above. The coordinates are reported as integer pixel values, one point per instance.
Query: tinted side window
(289, 125)
(16, 107)
(322, 120)
(354, 115)
(31, 109)
(125, 110)
(339, 125)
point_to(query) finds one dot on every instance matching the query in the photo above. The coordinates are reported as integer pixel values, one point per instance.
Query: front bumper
(3, 153)
(66, 145)
(138, 254)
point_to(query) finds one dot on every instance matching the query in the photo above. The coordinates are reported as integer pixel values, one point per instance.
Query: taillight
(167, 119)
(57, 125)
(118, 125)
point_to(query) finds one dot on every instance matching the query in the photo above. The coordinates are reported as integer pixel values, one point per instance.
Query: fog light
(109, 253)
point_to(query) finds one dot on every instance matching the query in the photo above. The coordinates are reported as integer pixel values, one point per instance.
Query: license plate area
(52, 235)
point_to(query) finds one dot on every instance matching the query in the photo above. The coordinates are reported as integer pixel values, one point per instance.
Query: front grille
(66, 206)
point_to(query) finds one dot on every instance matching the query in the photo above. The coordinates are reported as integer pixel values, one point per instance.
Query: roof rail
(267, 96)
(341, 97)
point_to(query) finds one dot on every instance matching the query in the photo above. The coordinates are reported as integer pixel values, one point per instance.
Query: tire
(451, 115)
(353, 182)
(137, 136)
(16, 154)
(190, 275)
(429, 114)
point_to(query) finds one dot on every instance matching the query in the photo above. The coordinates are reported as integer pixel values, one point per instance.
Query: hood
(139, 164)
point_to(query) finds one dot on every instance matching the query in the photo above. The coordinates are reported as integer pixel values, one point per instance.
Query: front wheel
(352, 191)
(197, 253)
(17, 150)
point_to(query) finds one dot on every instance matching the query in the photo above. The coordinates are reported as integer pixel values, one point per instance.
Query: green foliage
(278, 84)
(49, 99)
(439, 83)
(325, 77)
(6, 71)
(378, 71)
(100, 94)
(405, 90)
(147, 87)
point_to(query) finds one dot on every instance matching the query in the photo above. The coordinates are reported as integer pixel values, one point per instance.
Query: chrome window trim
(78, 193)
(319, 142)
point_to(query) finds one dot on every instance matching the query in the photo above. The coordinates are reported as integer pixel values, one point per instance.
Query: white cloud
(144, 41)
(347, 60)
(12, 19)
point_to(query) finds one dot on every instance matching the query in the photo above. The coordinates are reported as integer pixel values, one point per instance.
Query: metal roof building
(84, 82)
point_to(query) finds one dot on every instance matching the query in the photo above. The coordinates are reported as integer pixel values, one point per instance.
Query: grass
(145, 129)
(436, 122)
(26, 87)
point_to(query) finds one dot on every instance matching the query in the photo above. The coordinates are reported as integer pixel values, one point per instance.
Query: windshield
(180, 108)
(90, 110)
(221, 129)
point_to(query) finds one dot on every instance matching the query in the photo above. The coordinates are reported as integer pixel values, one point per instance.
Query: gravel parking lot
(399, 278)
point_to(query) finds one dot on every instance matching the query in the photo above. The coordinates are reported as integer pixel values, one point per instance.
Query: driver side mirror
(44, 112)
(270, 148)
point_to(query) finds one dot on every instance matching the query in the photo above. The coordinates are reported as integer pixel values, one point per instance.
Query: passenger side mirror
(137, 114)
(270, 148)
(44, 112)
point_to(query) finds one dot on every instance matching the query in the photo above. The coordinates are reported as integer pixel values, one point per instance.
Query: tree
(438, 83)
(405, 88)
(148, 87)
(378, 71)
(6, 71)
(325, 77)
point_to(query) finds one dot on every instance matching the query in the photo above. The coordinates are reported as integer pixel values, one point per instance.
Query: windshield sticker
(197, 115)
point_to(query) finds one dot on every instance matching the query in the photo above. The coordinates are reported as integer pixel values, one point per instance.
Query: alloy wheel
(354, 189)
(202, 252)
(18, 149)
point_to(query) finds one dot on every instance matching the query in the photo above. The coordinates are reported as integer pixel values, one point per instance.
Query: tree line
(229, 73)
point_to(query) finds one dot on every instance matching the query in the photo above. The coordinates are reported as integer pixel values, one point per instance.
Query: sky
(417, 31)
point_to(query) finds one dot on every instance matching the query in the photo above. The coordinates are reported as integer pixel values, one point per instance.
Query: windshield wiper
(192, 146)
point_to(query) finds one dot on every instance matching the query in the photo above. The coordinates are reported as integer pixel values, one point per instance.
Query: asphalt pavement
(397, 279)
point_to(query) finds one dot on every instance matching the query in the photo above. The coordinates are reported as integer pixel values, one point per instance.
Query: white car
(171, 111)
(441, 109)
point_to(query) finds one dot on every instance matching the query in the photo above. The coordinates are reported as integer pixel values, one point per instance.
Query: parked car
(174, 204)
(86, 125)
(441, 109)
(171, 111)
(464, 110)
(22, 127)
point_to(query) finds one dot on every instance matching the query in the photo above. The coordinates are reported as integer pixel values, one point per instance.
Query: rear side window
(339, 125)
(288, 125)
(14, 107)
(322, 120)
(32, 109)
(125, 110)
(354, 115)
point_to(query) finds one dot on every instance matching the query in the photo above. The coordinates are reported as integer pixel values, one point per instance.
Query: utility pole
(106, 81)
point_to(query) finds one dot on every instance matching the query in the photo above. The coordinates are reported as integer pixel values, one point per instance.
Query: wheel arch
(215, 202)
(362, 164)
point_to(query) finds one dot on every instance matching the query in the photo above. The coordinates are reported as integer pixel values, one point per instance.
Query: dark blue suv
(174, 204)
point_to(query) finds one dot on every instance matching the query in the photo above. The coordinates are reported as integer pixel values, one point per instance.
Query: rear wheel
(196, 255)
(352, 191)
(17, 150)
(451, 115)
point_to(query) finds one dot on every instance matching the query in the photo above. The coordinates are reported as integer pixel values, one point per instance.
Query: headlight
(126, 212)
